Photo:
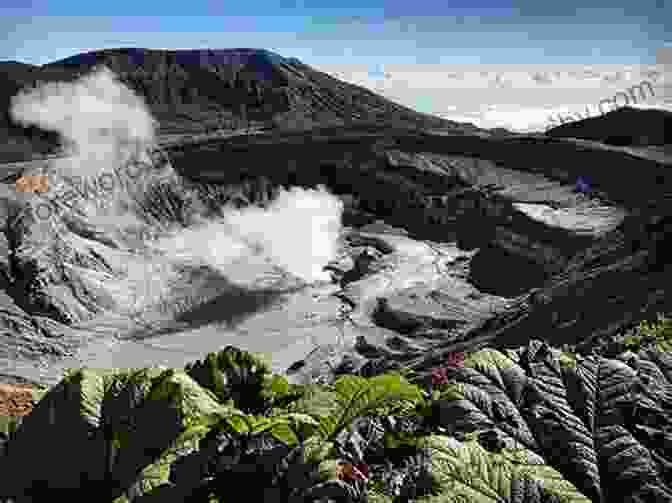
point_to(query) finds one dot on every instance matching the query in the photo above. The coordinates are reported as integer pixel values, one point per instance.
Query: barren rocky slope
(489, 243)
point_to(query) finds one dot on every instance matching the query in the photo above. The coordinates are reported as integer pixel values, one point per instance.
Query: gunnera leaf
(359, 396)
(66, 419)
(121, 423)
(467, 472)
(604, 424)
(232, 374)
(486, 393)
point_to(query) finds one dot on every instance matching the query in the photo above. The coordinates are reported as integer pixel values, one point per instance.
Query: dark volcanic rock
(500, 272)
(395, 317)
(625, 126)
(605, 290)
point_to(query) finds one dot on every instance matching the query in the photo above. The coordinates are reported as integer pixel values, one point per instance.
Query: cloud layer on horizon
(523, 98)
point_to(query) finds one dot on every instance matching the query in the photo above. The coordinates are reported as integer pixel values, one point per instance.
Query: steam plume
(98, 118)
(101, 121)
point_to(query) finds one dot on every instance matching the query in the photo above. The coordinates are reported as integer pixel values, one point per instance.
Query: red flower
(440, 375)
(456, 359)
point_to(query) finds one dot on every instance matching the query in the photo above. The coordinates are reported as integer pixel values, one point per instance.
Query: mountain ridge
(194, 90)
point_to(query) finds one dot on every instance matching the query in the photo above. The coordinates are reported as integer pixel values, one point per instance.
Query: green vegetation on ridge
(484, 426)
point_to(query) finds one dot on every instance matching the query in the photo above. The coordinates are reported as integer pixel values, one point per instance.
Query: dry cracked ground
(448, 242)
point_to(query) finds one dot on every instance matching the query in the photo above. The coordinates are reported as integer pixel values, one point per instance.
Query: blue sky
(363, 41)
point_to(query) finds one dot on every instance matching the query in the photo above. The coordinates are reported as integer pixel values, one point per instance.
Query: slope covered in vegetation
(534, 424)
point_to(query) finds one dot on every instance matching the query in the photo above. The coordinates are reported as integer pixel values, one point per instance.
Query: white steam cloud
(297, 232)
(102, 121)
(99, 119)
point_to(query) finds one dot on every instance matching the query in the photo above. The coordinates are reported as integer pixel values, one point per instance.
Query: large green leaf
(486, 393)
(358, 396)
(119, 424)
(317, 400)
(193, 410)
(467, 472)
(603, 423)
(66, 420)
(283, 428)
(334, 407)
(243, 377)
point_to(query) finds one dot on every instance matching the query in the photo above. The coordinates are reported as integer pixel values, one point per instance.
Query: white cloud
(97, 117)
(517, 97)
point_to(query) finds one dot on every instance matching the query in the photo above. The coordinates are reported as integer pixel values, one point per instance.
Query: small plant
(658, 332)
(632, 342)
(567, 360)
